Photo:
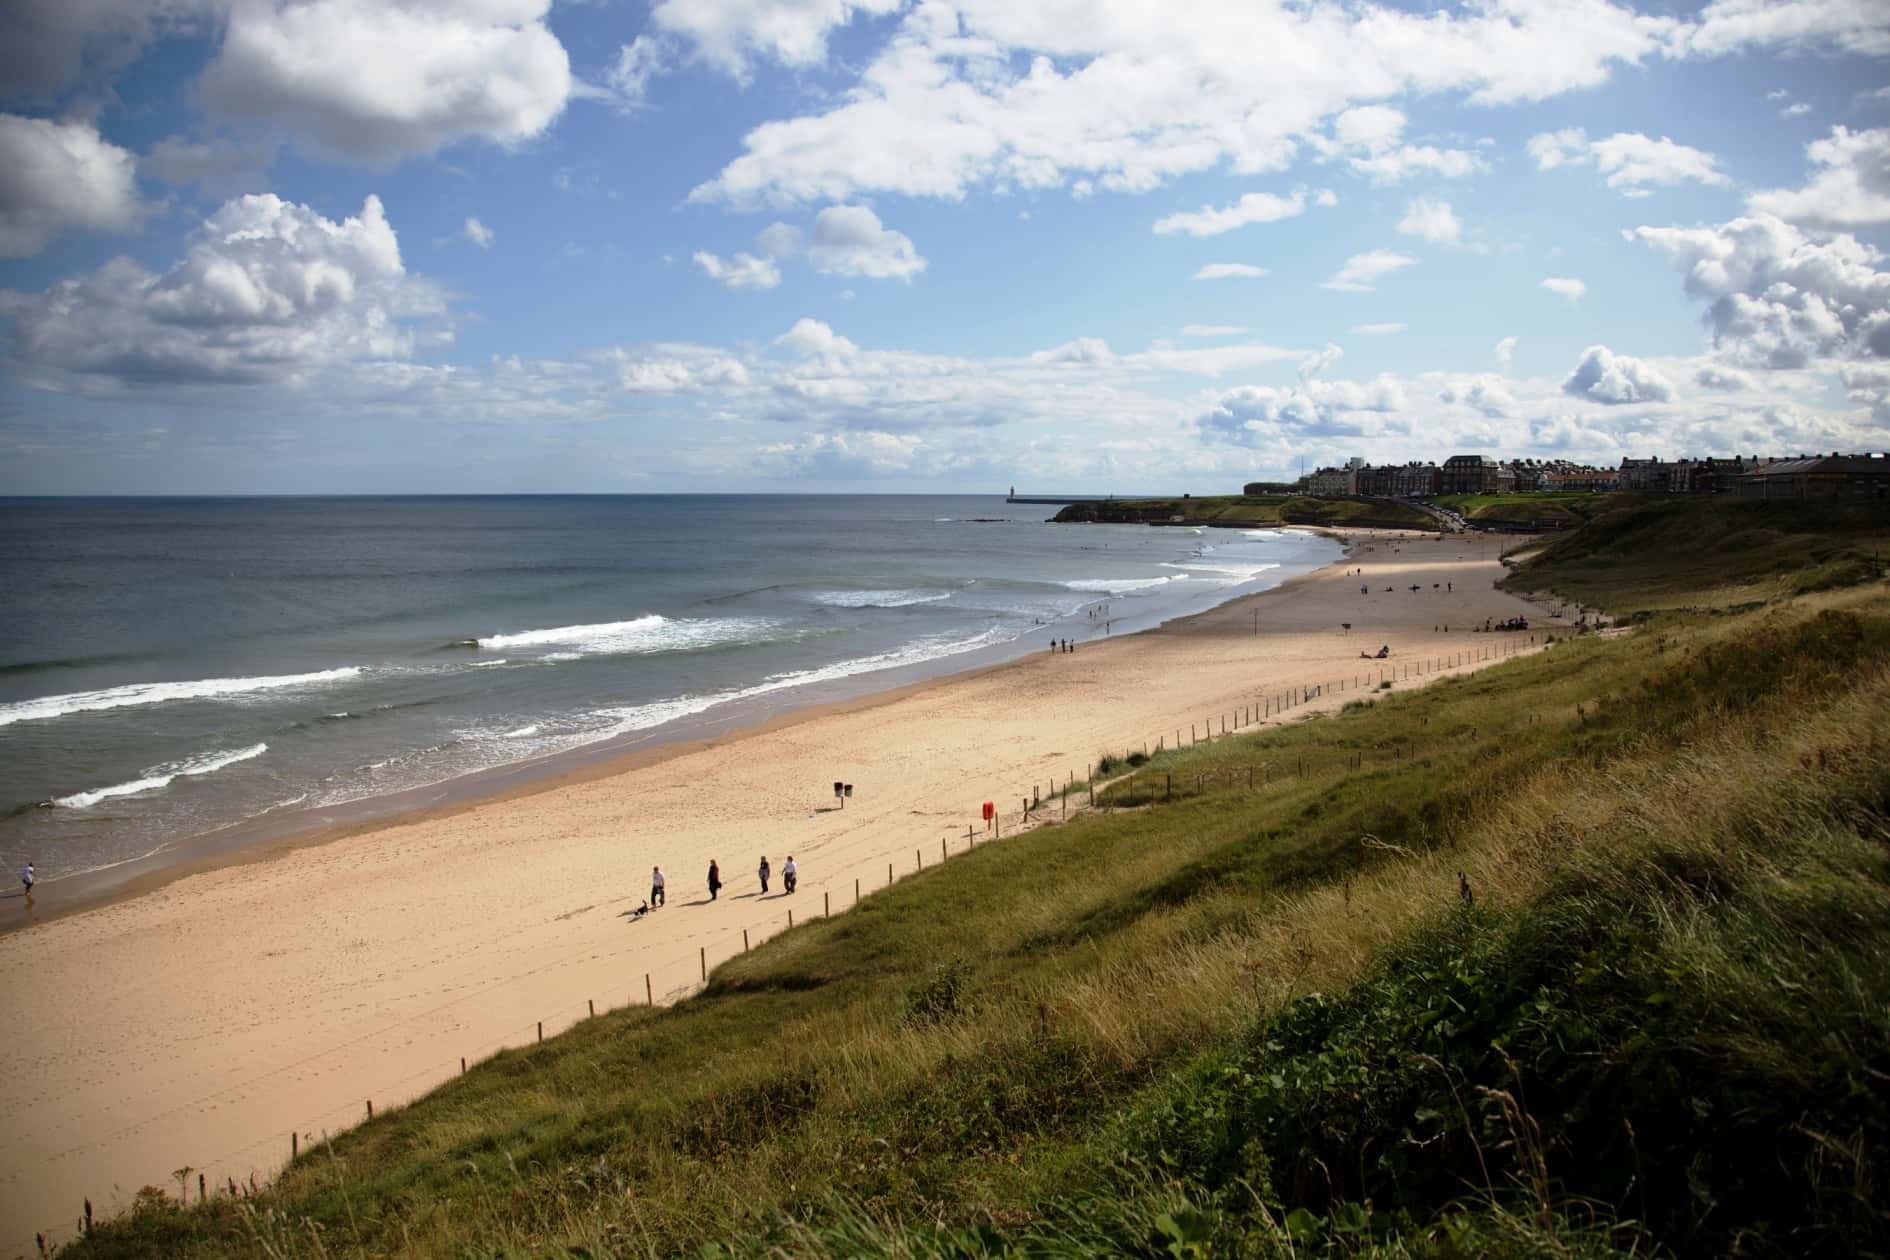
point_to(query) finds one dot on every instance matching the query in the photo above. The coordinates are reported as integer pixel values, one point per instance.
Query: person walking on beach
(656, 886)
(27, 880)
(715, 879)
(790, 874)
(764, 870)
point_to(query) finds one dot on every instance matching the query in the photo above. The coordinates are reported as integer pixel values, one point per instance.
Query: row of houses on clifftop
(1834, 476)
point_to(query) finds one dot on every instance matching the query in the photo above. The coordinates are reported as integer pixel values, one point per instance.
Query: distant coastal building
(1833, 476)
(1843, 477)
(1471, 474)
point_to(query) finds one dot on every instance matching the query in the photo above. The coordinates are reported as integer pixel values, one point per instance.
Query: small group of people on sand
(659, 883)
(1379, 655)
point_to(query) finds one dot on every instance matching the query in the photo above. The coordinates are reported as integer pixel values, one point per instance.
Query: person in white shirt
(790, 874)
(656, 886)
(27, 880)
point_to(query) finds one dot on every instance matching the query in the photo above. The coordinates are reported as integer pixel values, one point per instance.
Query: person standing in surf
(27, 880)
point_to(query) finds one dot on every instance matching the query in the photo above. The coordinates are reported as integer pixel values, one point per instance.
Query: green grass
(1565, 507)
(1254, 510)
(1223, 1020)
(1712, 553)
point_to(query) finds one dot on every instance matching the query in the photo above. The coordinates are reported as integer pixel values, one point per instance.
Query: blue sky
(329, 246)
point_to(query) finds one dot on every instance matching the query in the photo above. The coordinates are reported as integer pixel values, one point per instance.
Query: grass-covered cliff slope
(1264, 1021)
(1693, 552)
(1251, 510)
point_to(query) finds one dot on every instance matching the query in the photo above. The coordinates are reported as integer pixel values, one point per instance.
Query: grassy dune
(1209, 1019)
(1711, 553)
(1568, 507)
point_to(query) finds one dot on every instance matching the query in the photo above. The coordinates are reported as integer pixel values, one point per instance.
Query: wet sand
(206, 1012)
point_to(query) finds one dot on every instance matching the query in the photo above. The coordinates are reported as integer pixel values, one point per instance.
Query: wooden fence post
(649, 995)
(370, 1108)
(826, 904)
(702, 952)
(295, 1146)
(541, 1031)
(744, 940)
(592, 1003)
(462, 1065)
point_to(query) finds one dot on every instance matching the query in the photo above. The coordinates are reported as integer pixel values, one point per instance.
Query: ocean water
(173, 667)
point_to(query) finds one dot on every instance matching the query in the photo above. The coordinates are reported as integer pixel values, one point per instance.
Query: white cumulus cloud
(267, 290)
(1777, 297)
(1851, 186)
(1566, 286)
(478, 233)
(1615, 379)
(851, 241)
(1505, 352)
(1252, 208)
(57, 177)
(382, 80)
(743, 271)
(1119, 95)
(728, 34)
(1362, 271)
(1631, 162)
(1431, 220)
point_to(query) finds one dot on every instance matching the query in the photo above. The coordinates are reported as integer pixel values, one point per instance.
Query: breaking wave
(161, 776)
(158, 693)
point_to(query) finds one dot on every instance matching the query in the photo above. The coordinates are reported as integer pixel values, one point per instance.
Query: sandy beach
(202, 1021)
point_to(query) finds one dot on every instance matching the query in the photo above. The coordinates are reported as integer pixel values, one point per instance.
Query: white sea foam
(639, 636)
(1119, 586)
(162, 776)
(523, 732)
(1227, 572)
(644, 717)
(157, 693)
(879, 599)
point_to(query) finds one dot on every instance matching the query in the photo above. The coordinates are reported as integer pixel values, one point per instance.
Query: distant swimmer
(656, 886)
(790, 874)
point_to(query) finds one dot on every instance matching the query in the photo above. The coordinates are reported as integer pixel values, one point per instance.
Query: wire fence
(235, 1172)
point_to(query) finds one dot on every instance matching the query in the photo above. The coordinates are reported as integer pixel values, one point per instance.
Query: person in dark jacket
(715, 879)
(764, 870)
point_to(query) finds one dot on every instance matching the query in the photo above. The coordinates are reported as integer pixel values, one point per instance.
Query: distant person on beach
(790, 874)
(656, 886)
(715, 879)
(27, 880)
(764, 870)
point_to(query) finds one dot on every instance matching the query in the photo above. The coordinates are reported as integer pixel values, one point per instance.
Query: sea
(173, 669)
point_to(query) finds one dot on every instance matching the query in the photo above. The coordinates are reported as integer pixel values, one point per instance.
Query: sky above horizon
(488, 246)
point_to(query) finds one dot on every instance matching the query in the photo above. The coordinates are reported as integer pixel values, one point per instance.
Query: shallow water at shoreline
(179, 666)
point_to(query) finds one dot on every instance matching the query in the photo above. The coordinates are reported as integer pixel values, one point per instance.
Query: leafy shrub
(943, 994)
